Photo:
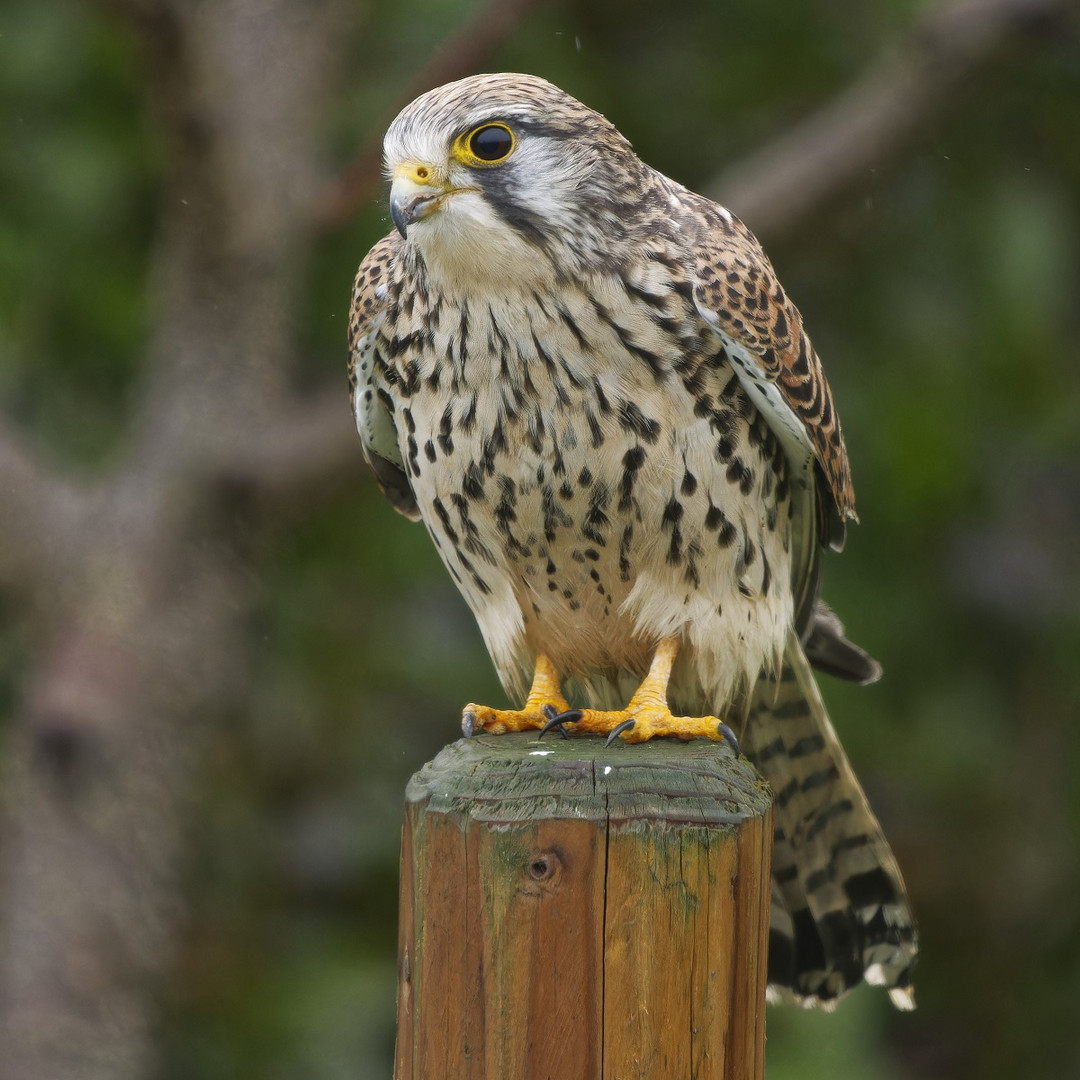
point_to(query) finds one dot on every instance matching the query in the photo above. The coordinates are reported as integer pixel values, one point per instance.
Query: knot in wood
(543, 871)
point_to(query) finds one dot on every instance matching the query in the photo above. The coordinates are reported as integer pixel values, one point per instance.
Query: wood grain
(582, 912)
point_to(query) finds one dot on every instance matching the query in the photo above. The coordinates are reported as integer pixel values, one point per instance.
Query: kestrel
(590, 386)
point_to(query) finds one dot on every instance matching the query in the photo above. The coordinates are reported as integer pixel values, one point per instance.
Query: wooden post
(571, 911)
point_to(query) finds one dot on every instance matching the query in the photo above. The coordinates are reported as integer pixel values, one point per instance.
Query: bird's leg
(648, 714)
(545, 702)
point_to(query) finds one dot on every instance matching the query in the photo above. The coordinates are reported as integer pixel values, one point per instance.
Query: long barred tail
(840, 913)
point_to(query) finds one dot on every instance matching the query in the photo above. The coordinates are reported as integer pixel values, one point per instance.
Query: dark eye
(492, 142)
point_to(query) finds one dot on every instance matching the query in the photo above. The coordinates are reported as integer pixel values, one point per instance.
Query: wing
(828, 650)
(738, 295)
(372, 408)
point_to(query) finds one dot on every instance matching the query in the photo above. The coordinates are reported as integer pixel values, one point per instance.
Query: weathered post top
(584, 912)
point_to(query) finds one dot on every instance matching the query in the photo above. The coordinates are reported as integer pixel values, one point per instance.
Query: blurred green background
(942, 289)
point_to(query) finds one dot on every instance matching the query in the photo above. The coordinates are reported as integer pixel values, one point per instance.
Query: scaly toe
(477, 719)
(641, 721)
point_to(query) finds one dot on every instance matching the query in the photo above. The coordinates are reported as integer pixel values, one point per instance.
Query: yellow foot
(648, 714)
(646, 717)
(545, 701)
(479, 718)
(641, 721)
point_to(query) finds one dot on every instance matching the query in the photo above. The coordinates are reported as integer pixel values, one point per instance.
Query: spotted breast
(590, 386)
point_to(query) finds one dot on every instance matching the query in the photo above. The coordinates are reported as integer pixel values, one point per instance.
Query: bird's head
(492, 172)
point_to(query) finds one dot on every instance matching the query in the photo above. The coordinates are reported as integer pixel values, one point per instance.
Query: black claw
(729, 735)
(468, 723)
(626, 725)
(557, 719)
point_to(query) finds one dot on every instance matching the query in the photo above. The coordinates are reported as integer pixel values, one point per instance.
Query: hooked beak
(416, 191)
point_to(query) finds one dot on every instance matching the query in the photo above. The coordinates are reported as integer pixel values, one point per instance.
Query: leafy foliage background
(942, 288)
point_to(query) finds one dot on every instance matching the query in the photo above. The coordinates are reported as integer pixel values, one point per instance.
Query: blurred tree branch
(796, 174)
(309, 444)
(40, 514)
(144, 637)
